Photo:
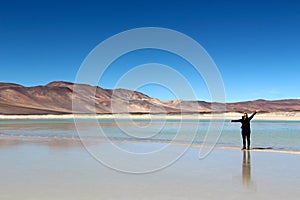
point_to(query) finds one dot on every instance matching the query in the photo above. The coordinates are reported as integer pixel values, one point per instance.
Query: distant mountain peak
(59, 84)
(3, 84)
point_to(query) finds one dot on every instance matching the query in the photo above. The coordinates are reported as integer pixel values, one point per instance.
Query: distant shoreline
(288, 116)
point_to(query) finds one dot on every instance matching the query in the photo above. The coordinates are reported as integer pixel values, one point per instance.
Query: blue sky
(255, 44)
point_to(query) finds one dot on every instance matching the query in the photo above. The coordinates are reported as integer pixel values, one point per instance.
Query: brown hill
(57, 97)
(286, 105)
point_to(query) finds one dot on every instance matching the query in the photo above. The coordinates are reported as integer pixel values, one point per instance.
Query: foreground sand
(289, 116)
(54, 170)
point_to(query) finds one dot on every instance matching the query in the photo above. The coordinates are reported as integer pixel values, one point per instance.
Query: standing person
(246, 130)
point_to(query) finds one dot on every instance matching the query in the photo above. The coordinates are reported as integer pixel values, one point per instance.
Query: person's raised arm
(252, 115)
(236, 120)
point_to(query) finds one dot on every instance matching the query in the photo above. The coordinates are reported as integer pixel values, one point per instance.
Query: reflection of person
(246, 170)
(246, 130)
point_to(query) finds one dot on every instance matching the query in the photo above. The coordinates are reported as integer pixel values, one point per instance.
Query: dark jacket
(245, 122)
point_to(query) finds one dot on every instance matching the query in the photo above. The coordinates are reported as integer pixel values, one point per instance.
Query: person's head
(245, 116)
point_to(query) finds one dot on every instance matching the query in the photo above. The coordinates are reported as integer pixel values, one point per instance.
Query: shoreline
(276, 116)
(77, 141)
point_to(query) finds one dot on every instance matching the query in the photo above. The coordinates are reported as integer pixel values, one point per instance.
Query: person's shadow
(246, 168)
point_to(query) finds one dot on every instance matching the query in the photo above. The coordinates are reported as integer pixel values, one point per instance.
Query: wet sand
(63, 169)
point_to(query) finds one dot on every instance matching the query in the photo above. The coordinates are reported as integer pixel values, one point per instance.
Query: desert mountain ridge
(61, 97)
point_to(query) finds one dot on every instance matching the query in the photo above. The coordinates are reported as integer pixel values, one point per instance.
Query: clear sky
(255, 44)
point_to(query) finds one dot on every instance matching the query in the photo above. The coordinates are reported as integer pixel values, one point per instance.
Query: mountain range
(60, 97)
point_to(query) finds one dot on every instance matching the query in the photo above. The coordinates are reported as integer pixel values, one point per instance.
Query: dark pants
(246, 134)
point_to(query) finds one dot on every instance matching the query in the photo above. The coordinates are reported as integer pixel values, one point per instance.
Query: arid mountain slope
(57, 98)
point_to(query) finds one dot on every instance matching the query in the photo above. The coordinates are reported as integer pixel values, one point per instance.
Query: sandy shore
(47, 171)
(288, 116)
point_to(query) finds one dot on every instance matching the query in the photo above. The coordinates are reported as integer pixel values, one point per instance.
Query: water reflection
(246, 168)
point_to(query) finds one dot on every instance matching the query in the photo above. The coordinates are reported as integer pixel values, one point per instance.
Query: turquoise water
(274, 135)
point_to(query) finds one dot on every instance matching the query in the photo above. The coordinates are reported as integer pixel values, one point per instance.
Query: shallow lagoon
(45, 159)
